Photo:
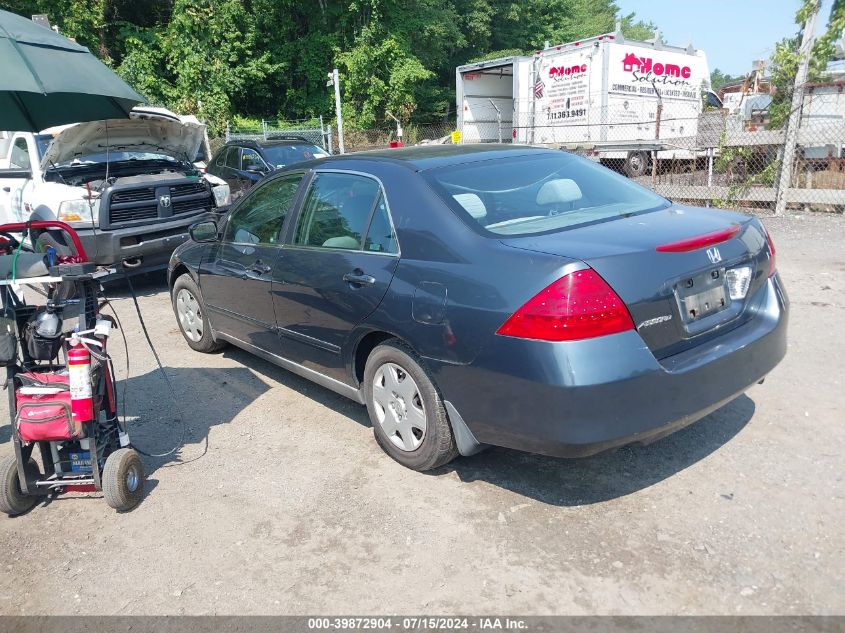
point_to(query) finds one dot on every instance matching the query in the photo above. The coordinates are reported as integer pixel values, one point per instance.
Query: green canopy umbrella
(47, 80)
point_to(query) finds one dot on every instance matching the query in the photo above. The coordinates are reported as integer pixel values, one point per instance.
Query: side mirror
(205, 231)
(16, 173)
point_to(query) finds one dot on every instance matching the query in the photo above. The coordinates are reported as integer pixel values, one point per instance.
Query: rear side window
(259, 218)
(221, 157)
(336, 211)
(538, 193)
(233, 158)
(381, 237)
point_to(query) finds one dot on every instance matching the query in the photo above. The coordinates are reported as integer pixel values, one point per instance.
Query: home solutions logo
(646, 69)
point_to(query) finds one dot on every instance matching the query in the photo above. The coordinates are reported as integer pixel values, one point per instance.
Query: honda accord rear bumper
(579, 398)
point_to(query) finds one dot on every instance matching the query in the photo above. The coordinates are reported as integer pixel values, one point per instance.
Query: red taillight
(772, 262)
(700, 241)
(577, 306)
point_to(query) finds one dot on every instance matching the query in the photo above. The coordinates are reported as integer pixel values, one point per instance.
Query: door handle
(260, 267)
(7, 189)
(358, 278)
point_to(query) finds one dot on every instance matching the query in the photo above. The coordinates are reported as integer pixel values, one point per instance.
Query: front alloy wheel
(192, 315)
(189, 312)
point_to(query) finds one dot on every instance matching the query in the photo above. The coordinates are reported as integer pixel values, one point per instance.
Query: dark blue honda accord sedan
(495, 294)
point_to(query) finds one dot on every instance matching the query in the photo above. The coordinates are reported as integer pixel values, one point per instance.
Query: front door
(236, 280)
(335, 270)
(11, 189)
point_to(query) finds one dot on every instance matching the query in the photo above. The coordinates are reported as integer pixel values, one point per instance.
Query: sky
(733, 33)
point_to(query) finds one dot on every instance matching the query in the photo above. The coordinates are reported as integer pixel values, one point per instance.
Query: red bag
(45, 417)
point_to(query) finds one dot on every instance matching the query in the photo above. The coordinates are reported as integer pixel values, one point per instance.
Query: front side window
(259, 218)
(20, 155)
(337, 211)
(251, 161)
(539, 193)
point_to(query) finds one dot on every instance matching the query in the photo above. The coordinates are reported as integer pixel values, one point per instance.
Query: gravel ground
(280, 502)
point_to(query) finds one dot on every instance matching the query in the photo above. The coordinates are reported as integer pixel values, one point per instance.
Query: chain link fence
(312, 130)
(326, 135)
(712, 157)
(379, 138)
(732, 160)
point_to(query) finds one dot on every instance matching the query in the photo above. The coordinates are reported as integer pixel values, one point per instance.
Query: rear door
(232, 169)
(236, 281)
(335, 267)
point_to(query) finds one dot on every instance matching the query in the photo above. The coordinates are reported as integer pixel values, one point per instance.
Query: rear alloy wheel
(192, 317)
(407, 413)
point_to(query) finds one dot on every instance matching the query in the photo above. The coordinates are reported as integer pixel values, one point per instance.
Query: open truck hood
(178, 139)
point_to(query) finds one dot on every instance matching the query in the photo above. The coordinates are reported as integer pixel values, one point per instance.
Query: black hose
(173, 394)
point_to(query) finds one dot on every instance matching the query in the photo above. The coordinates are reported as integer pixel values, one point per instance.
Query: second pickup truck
(127, 186)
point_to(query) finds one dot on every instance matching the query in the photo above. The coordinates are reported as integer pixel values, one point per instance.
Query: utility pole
(794, 121)
(656, 128)
(335, 80)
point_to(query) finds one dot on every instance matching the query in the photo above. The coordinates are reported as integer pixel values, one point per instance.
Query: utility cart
(59, 376)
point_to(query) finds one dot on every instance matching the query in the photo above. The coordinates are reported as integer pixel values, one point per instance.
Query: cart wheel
(12, 500)
(123, 479)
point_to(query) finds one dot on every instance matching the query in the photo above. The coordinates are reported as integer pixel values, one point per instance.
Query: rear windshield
(281, 155)
(541, 193)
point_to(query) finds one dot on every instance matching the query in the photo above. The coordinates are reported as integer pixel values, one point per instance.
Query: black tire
(438, 444)
(123, 479)
(12, 499)
(636, 164)
(205, 343)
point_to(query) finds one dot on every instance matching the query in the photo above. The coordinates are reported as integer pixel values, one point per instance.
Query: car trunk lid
(672, 268)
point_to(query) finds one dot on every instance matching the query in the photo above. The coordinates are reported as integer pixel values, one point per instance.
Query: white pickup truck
(127, 186)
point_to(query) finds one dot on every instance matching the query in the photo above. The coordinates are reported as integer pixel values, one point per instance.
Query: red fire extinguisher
(79, 379)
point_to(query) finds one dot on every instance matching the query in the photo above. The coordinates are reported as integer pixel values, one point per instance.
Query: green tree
(269, 58)
(784, 64)
(719, 79)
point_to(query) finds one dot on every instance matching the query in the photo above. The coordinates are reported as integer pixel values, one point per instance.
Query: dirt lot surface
(280, 501)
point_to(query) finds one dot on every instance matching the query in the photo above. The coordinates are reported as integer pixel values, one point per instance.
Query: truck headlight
(82, 211)
(221, 195)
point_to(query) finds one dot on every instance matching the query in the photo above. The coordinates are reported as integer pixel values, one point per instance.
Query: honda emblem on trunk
(714, 255)
(165, 202)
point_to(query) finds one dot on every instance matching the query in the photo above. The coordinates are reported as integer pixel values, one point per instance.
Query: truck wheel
(636, 164)
(123, 479)
(192, 316)
(12, 500)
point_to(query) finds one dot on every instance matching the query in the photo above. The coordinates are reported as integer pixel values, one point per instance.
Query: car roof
(423, 157)
(257, 143)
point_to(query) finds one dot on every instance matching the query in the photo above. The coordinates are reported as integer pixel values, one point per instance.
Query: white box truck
(621, 99)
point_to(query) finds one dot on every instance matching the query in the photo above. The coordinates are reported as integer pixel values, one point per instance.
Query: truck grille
(187, 190)
(133, 195)
(145, 212)
(158, 202)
